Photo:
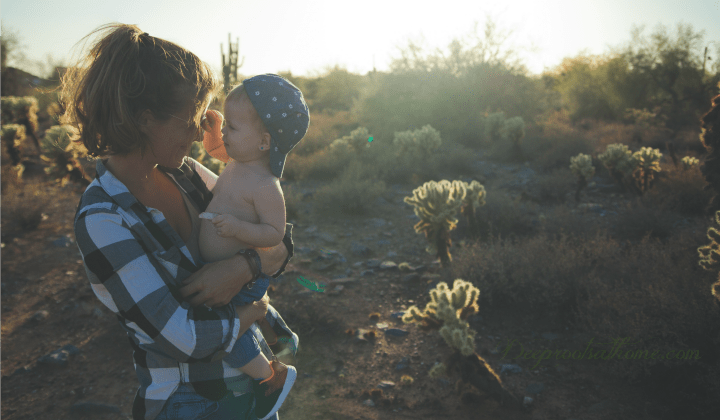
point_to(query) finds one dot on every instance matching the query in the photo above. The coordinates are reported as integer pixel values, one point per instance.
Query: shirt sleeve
(129, 282)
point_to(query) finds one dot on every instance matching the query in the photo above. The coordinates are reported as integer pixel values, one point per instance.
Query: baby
(265, 117)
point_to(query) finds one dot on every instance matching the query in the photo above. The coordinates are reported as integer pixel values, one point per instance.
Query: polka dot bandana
(276, 99)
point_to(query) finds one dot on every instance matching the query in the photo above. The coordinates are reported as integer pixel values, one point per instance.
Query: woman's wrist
(245, 269)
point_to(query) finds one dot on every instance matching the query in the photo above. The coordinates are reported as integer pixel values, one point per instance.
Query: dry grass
(535, 273)
(554, 186)
(23, 205)
(651, 291)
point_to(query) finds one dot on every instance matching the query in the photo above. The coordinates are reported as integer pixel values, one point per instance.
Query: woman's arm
(125, 280)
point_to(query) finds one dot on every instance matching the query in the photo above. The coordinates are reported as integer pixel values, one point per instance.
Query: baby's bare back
(232, 194)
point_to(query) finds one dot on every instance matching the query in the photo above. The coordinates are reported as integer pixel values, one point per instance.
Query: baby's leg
(267, 331)
(258, 368)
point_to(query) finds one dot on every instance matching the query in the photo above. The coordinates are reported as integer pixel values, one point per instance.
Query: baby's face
(242, 139)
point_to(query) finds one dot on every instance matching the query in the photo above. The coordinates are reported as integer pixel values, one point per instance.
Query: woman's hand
(216, 283)
(212, 136)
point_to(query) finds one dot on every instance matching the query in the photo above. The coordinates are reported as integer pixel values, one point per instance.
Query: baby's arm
(270, 208)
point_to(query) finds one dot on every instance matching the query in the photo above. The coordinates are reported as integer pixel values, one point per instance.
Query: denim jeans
(185, 404)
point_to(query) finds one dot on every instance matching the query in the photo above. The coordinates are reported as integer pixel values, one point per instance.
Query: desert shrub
(354, 192)
(638, 219)
(504, 216)
(553, 186)
(356, 142)
(22, 207)
(557, 141)
(604, 133)
(656, 295)
(420, 144)
(680, 190)
(562, 220)
(325, 127)
(493, 125)
(539, 273)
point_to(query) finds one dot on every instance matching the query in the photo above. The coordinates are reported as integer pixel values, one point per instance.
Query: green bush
(354, 192)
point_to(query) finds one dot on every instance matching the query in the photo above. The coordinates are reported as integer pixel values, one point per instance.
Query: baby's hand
(227, 225)
(212, 137)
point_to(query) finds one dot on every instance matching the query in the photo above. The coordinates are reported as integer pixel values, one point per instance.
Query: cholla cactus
(452, 307)
(494, 124)
(21, 110)
(63, 156)
(709, 254)
(436, 204)
(581, 166)
(12, 137)
(648, 162)
(438, 370)
(474, 198)
(689, 162)
(619, 161)
(422, 143)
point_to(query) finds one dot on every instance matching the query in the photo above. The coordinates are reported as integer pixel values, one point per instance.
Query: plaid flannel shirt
(135, 262)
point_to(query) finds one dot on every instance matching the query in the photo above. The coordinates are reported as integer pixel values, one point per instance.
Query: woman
(139, 102)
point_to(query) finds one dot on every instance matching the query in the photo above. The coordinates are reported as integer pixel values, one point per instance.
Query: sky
(310, 36)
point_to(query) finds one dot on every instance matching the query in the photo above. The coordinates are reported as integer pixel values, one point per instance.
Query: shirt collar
(119, 192)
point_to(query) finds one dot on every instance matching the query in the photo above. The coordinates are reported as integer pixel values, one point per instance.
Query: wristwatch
(254, 262)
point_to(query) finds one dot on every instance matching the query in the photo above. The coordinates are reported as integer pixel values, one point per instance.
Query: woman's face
(171, 140)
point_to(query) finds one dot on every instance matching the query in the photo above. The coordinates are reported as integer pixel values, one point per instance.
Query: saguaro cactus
(581, 166)
(436, 204)
(448, 311)
(229, 63)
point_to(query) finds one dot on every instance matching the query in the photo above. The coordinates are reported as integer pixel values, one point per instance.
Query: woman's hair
(126, 72)
(237, 93)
